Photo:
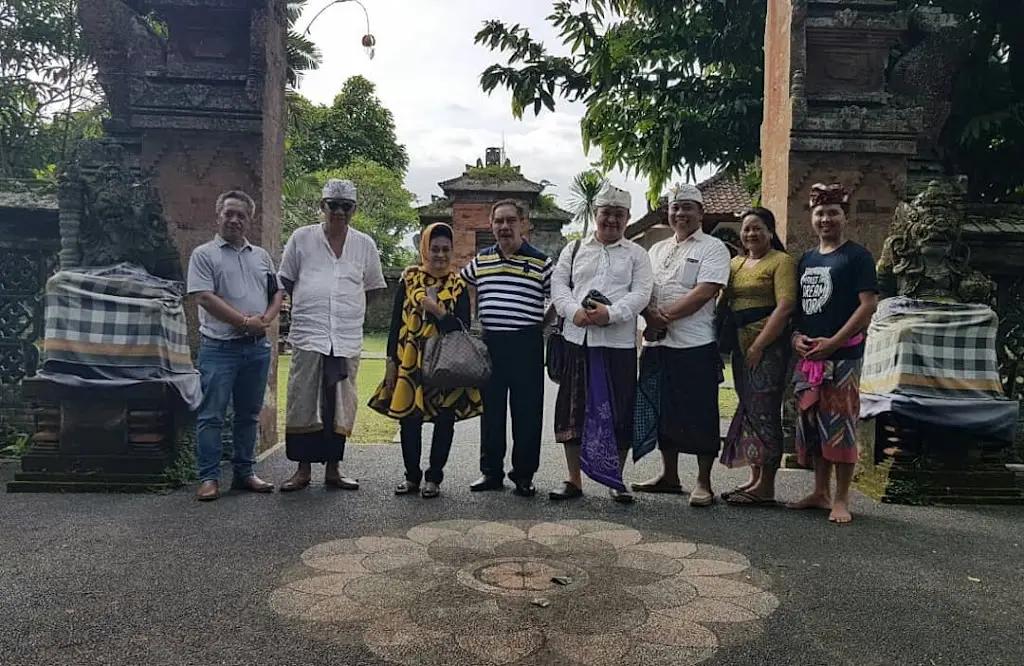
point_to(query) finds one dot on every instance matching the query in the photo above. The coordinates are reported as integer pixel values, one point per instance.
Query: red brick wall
(192, 168)
(467, 220)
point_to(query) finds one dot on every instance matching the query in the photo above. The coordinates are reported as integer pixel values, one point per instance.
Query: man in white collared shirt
(600, 366)
(680, 368)
(328, 269)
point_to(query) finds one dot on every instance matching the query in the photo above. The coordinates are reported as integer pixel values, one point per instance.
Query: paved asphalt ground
(117, 579)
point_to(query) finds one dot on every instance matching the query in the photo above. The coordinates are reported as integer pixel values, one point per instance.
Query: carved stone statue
(109, 215)
(923, 76)
(924, 256)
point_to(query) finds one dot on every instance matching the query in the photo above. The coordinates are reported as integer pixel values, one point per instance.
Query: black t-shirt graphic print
(830, 288)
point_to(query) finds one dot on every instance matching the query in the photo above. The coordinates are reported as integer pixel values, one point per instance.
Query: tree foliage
(46, 83)
(984, 136)
(301, 54)
(356, 125)
(678, 84)
(668, 84)
(586, 185)
(385, 209)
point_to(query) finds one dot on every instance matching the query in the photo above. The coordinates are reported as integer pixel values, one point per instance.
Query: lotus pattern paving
(579, 592)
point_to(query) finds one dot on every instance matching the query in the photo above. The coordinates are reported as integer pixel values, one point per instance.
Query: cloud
(427, 71)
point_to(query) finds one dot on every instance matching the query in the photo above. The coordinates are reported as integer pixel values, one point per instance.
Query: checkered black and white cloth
(932, 349)
(116, 317)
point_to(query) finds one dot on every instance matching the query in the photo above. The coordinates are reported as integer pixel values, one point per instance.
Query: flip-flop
(746, 498)
(734, 491)
(658, 487)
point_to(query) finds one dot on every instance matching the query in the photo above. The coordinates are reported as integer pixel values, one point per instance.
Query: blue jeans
(238, 370)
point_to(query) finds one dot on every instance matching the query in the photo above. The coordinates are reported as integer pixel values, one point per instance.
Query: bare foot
(840, 513)
(812, 502)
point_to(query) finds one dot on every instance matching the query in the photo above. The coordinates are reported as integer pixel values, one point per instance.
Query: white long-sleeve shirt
(621, 271)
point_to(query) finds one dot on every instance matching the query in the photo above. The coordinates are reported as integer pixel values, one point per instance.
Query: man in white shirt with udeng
(680, 352)
(328, 269)
(600, 343)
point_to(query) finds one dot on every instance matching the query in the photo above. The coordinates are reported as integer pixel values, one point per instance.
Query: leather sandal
(658, 486)
(342, 482)
(430, 490)
(407, 488)
(566, 491)
(295, 483)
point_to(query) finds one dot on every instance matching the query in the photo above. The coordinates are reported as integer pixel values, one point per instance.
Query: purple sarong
(599, 453)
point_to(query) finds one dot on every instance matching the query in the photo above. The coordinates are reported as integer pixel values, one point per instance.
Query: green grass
(375, 342)
(727, 402)
(371, 427)
(727, 397)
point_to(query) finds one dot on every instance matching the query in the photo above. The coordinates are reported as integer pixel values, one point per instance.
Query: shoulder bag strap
(572, 262)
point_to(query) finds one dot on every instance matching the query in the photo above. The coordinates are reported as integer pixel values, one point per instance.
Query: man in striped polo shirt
(512, 281)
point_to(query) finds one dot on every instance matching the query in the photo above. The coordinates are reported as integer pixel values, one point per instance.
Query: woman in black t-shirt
(838, 296)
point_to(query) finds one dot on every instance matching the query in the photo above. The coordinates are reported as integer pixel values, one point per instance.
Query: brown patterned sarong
(321, 409)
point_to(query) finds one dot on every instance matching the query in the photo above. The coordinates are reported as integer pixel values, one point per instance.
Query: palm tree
(301, 53)
(583, 192)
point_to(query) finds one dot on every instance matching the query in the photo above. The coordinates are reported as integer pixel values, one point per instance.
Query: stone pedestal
(103, 440)
(201, 104)
(829, 118)
(908, 462)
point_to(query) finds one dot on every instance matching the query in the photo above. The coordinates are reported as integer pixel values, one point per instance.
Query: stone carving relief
(924, 255)
(110, 215)
(123, 43)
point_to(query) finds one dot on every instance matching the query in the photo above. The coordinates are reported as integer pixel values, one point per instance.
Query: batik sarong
(755, 433)
(594, 408)
(647, 413)
(684, 403)
(828, 406)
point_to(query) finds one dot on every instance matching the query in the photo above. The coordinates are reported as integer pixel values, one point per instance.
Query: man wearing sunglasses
(327, 269)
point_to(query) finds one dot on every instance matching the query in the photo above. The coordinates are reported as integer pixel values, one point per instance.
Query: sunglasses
(344, 206)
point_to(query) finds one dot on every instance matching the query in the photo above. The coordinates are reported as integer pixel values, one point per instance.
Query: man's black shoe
(487, 483)
(525, 489)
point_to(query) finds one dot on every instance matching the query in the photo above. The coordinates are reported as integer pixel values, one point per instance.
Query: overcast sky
(427, 72)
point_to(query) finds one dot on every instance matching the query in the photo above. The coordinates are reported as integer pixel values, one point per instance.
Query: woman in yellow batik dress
(762, 295)
(430, 300)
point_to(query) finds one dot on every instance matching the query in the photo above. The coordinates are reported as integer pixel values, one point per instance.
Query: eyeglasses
(344, 206)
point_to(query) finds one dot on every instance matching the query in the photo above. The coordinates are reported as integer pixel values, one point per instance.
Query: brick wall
(874, 182)
(467, 220)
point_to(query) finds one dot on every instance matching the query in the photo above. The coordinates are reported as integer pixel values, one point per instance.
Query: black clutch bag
(594, 296)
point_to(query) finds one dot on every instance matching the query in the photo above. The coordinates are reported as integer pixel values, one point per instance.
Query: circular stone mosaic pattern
(581, 592)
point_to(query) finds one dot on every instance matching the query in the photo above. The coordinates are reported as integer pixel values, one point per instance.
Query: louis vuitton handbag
(456, 360)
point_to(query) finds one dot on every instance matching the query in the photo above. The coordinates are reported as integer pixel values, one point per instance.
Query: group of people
(643, 335)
